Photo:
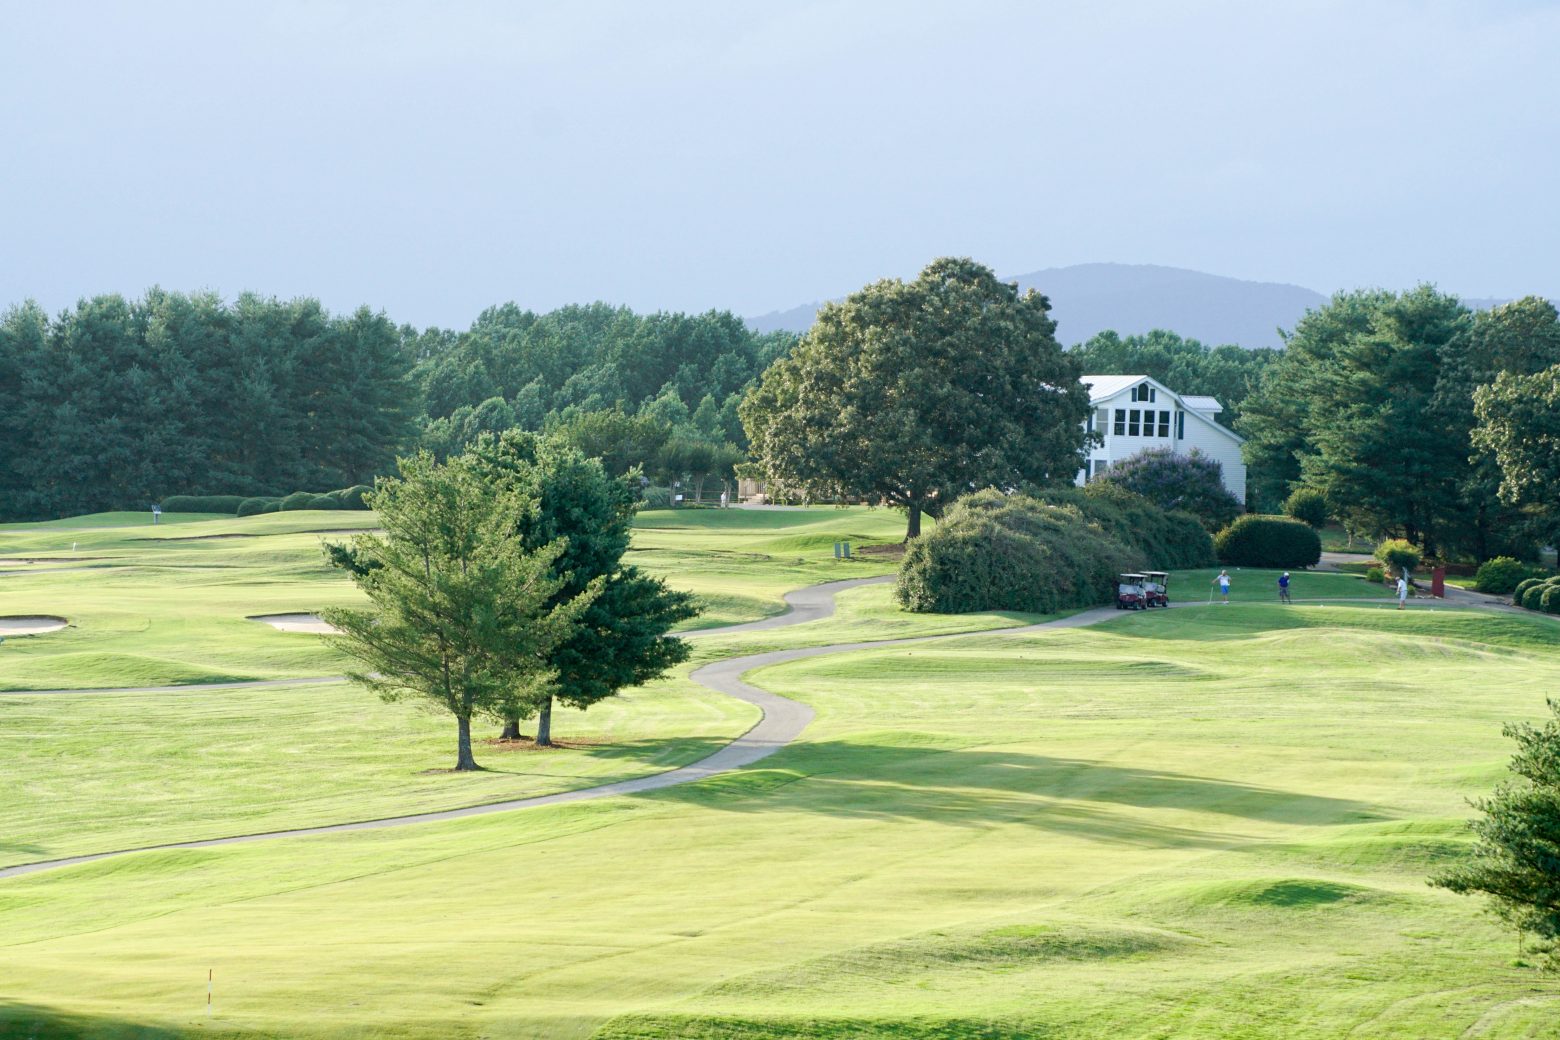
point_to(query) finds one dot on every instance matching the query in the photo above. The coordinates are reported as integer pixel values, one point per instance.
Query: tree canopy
(914, 393)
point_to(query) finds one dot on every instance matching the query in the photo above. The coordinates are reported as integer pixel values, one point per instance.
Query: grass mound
(1265, 894)
(916, 958)
(99, 670)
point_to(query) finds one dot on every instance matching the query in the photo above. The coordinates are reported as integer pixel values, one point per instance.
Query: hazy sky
(435, 158)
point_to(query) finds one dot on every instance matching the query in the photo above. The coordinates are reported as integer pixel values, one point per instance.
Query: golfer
(1283, 588)
(1223, 581)
(1402, 591)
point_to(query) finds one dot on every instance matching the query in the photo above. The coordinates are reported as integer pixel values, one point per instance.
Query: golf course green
(1211, 821)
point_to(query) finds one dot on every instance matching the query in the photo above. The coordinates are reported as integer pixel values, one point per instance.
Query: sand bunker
(296, 623)
(30, 625)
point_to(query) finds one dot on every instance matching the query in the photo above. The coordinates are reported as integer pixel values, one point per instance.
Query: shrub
(1192, 482)
(998, 552)
(202, 504)
(1308, 506)
(1549, 602)
(1167, 539)
(656, 498)
(1268, 541)
(323, 502)
(298, 500)
(353, 497)
(1501, 575)
(1375, 574)
(1398, 554)
(252, 506)
(1522, 587)
(1533, 598)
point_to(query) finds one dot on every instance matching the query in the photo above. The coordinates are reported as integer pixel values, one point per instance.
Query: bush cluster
(345, 498)
(1193, 483)
(655, 498)
(1375, 574)
(1060, 549)
(1011, 552)
(1502, 575)
(201, 503)
(1268, 541)
(1538, 594)
(1169, 539)
(1398, 555)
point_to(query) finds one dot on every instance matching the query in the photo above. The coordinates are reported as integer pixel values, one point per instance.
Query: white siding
(1202, 433)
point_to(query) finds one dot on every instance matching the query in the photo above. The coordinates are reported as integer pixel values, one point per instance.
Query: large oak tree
(913, 393)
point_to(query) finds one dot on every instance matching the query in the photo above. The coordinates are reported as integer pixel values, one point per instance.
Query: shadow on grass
(21, 846)
(523, 758)
(1000, 788)
(32, 1022)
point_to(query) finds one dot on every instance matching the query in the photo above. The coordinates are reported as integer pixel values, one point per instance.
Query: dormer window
(1143, 392)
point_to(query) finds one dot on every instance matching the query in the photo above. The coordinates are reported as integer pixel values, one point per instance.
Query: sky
(433, 159)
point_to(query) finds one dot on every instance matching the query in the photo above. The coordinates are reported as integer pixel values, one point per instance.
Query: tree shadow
(523, 758)
(45, 1023)
(962, 788)
(21, 846)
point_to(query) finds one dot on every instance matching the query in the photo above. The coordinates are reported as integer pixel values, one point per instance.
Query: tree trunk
(511, 730)
(463, 759)
(544, 724)
(913, 528)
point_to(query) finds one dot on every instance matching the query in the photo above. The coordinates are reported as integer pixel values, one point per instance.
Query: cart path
(782, 720)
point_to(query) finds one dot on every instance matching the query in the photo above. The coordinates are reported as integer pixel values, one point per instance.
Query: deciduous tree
(914, 393)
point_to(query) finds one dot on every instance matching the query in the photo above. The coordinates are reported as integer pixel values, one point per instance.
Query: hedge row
(993, 551)
(1542, 594)
(238, 505)
(1268, 541)
(1503, 574)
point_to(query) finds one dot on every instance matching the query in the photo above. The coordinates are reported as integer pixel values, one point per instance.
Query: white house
(1136, 412)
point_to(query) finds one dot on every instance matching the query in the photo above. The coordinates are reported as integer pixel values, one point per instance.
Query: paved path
(783, 719)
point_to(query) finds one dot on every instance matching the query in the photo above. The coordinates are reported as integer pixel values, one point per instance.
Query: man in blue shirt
(1283, 588)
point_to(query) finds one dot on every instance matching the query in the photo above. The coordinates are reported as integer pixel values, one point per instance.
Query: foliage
(1193, 482)
(297, 500)
(1307, 505)
(1255, 540)
(655, 497)
(1533, 598)
(202, 503)
(1168, 539)
(1228, 373)
(1519, 425)
(1011, 552)
(463, 614)
(254, 506)
(622, 442)
(622, 637)
(1549, 602)
(1516, 859)
(1501, 575)
(1375, 574)
(1521, 588)
(911, 394)
(125, 400)
(1398, 555)
(1373, 402)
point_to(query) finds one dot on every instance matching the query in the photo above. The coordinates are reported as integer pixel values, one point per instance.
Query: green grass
(155, 606)
(1203, 822)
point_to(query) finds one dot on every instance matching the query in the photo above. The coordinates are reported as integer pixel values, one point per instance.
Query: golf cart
(1156, 590)
(1130, 594)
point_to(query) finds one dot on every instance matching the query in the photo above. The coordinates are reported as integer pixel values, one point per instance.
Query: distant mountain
(1087, 298)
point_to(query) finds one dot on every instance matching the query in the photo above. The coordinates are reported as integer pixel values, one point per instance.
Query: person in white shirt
(1402, 591)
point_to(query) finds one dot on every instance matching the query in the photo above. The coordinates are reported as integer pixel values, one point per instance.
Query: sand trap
(296, 623)
(30, 625)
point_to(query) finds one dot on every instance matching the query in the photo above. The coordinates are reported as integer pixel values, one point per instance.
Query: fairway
(1204, 822)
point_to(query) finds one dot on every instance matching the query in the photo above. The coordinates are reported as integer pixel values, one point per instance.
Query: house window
(1121, 422)
(1144, 393)
(1134, 419)
(1101, 466)
(1180, 426)
(1103, 422)
(1164, 424)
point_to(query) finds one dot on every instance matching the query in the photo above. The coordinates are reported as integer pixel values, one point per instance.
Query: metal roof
(1201, 403)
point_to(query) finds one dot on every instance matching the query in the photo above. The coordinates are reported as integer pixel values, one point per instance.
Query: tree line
(1416, 417)
(118, 403)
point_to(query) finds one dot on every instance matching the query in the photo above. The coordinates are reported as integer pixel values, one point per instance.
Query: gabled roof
(1109, 386)
(1197, 406)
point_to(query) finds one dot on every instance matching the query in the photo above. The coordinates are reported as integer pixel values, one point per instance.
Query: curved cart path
(783, 719)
